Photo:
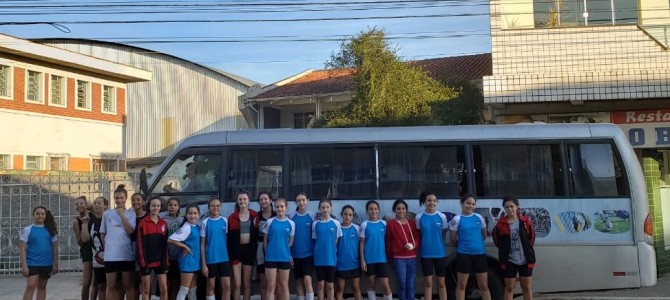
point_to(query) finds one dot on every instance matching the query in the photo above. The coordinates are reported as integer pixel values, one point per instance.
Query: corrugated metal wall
(182, 99)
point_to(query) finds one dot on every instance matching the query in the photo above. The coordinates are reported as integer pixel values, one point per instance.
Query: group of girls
(340, 252)
(123, 247)
(176, 249)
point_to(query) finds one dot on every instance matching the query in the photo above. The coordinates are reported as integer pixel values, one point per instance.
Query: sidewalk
(66, 286)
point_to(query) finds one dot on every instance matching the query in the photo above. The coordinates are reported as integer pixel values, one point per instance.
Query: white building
(182, 99)
(61, 110)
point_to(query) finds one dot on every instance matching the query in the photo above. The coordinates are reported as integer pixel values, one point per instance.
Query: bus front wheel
(495, 281)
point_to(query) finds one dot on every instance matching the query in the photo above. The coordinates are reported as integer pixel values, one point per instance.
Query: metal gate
(21, 191)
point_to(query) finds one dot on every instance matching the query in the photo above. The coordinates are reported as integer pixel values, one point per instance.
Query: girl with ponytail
(38, 252)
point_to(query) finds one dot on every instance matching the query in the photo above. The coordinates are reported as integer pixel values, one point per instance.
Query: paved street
(66, 287)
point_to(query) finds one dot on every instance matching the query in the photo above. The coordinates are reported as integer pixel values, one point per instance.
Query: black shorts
(99, 275)
(247, 255)
(281, 265)
(260, 269)
(466, 264)
(348, 274)
(157, 270)
(119, 266)
(303, 267)
(513, 269)
(439, 265)
(222, 269)
(86, 253)
(325, 273)
(379, 270)
(173, 270)
(43, 271)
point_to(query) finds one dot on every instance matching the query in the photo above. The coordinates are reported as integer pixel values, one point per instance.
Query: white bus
(581, 184)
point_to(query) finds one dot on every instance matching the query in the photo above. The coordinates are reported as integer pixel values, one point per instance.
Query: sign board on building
(645, 128)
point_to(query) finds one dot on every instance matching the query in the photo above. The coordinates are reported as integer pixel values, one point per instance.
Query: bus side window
(595, 171)
(524, 170)
(337, 173)
(407, 171)
(255, 171)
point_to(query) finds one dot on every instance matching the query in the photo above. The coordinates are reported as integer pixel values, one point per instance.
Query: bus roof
(400, 134)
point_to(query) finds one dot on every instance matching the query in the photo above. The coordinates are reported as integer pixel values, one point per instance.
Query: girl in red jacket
(402, 241)
(152, 249)
(242, 238)
(514, 236)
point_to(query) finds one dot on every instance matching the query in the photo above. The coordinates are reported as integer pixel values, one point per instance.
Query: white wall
(31, 134)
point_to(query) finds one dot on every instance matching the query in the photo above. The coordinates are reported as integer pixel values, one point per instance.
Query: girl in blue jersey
(326, 232)
(188, 239)
(213, 251)
(348, 262)
(303, 248)
(278, 238)
(174, 221)
(373, 251)
(264, 214)
(433, 227)
(468, 232)
(38, 253)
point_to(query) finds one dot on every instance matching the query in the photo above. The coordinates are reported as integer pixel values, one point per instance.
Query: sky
(262, 40)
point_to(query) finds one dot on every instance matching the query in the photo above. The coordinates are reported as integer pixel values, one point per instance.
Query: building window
(57, 93)
(58, 163)
(35, 87)
(33, 162)
(5, 161)
(570, 13)
(5, 81)
(83, 94)
(109, 99)
(302, 119)
(105, 165)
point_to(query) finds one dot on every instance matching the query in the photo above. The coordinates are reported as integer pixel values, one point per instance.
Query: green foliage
(387, 91)
(466, 109)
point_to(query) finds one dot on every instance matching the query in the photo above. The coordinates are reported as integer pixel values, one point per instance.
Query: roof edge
(46, 53)
(243, 80)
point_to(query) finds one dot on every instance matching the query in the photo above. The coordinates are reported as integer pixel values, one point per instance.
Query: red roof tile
(331, 81)
(467, 67)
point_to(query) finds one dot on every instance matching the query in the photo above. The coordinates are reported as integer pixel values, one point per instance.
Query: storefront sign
(645, 128)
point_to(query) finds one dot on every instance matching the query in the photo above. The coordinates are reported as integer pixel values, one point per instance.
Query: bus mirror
(144, 187)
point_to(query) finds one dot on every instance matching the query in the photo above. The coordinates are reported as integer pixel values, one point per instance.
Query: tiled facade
(650, 167)
(574, 64)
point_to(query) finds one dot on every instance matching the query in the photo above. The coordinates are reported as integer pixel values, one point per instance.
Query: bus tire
(496, 285)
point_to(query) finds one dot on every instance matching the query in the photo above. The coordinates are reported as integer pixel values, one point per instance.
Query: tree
(386, 91)
(466, 109)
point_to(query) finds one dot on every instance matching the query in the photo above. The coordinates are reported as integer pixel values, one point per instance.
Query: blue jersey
(347, 248)
(431, 227)
(189, 234)
(325, 235)
(214, 232)
(279, 233)
(39, 245)
(303, 245)
(375, 246)
(469, 230)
